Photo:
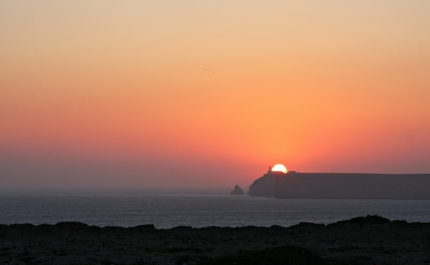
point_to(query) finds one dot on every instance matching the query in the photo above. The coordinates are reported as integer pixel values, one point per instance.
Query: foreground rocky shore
(361, 240)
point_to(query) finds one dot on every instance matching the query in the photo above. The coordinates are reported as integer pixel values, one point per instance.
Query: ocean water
(167, 211)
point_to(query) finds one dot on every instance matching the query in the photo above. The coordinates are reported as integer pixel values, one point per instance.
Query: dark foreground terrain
(361, 240)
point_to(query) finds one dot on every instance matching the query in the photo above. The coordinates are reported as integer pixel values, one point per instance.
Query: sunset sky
(207, 94)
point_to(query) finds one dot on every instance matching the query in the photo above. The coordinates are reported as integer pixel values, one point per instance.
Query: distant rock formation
(236, 191)
(297, 185)
(265, 185)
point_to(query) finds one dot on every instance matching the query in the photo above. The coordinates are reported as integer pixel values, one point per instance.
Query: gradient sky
(115, 95)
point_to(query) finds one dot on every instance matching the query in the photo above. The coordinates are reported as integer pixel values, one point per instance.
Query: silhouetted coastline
(295, 185)
(361, 240)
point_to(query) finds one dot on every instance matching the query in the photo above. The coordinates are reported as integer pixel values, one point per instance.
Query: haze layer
(204, 94)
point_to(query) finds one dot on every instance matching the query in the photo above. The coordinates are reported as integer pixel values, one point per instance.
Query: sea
(168, 211)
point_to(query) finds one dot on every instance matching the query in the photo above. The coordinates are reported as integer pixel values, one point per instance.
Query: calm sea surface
(169, 211)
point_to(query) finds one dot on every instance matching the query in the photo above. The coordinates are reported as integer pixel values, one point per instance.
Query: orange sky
(107, 94)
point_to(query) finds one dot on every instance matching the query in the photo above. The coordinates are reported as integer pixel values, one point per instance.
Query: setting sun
(99, 94)
(279, 168)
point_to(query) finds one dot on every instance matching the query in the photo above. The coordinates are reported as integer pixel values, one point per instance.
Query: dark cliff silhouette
(236, 191)
(342, 186)
(264, 186)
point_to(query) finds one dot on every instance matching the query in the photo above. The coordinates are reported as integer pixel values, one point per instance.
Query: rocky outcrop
(297, 185)
(265, 185)
(236, 191)
(359, 241)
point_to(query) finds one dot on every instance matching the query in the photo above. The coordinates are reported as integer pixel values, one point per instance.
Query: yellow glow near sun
(279, 168)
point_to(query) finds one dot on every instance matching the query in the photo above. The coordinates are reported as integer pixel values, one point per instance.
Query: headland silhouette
(298, 185)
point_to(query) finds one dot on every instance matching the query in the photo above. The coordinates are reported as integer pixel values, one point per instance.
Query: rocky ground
(362, 240)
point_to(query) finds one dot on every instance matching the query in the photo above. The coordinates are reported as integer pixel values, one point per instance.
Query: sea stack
(236, 191)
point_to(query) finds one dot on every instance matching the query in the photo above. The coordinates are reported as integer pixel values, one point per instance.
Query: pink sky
(208, 94)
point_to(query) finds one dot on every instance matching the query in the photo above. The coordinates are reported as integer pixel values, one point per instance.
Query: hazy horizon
(116, 192)
(204, 95)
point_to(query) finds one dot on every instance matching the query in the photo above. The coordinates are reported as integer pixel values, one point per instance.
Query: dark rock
(267, 184)
(264, 186)
(399, 223)
(72, 226)
(361, 240)
(296, 185)
(369, 219)
(145, 228)
(16, 262)
(183, 227)
(274, 256)
(307, 225)
(236, 191)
